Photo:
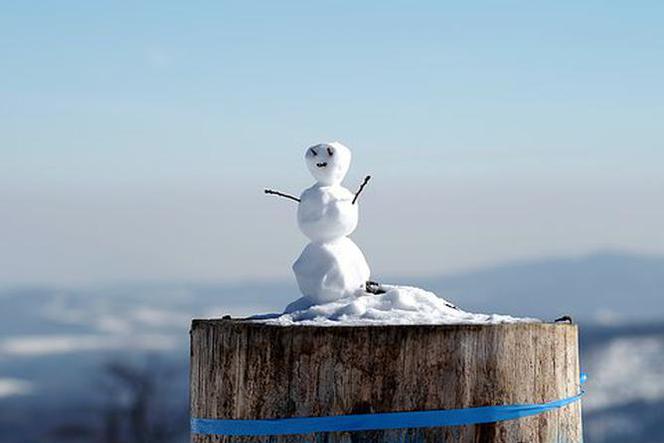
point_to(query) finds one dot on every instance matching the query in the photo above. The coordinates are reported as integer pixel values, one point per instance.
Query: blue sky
(135, 137)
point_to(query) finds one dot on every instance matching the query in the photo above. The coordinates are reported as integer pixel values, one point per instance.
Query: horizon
(289, 281)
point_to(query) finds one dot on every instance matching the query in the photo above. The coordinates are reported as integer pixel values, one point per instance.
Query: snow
(331, 267)
(10, 387)
(40, 345)
(399, 305)
(328, 162)
(327, 212)
(627, 370)
(331, 270)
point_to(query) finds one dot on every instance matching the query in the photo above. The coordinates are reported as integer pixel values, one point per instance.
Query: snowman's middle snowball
(326, 212)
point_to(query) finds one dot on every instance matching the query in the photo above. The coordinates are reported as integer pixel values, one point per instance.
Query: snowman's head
(328, 162)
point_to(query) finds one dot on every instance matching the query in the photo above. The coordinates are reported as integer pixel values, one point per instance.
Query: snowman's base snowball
(399, 305)
(330, 271)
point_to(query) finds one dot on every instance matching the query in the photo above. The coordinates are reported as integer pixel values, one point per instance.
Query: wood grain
(245, 370)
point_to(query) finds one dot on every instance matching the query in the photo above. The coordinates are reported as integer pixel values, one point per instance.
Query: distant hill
(606, 287)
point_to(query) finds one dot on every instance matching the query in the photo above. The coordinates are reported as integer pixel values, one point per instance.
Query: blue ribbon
(369, 422)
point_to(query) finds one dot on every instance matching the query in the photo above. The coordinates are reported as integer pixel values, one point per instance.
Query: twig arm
(281, 194)
(359, 191)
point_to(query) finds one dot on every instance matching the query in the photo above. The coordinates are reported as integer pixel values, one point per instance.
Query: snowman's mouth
(321, 165)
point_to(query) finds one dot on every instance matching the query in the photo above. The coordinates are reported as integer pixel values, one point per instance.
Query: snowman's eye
(313, 152)
(330, 152)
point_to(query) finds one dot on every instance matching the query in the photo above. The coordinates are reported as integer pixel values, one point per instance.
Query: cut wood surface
(248, 370)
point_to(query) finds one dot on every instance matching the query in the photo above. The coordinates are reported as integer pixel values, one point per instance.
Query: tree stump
(247, 370)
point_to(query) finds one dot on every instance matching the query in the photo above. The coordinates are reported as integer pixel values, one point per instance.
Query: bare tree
(134, 411)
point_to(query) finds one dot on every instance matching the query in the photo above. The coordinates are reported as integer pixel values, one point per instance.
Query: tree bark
(248, 370)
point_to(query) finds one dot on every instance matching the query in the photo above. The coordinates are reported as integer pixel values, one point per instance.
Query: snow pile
(398, 305)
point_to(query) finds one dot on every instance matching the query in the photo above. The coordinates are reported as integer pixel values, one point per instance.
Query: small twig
(281, 194)
(364, 183)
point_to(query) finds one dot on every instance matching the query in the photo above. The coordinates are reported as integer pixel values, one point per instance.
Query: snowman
(331, 266)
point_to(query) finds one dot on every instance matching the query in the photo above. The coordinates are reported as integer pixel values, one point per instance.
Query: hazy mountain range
(604, 287)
